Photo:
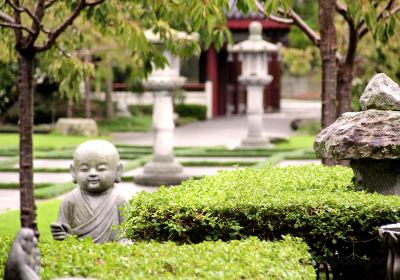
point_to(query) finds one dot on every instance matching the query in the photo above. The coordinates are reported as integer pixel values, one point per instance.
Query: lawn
(47, 212)
(44, 141)
(297, 142)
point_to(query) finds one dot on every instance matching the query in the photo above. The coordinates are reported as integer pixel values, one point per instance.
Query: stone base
(77, 126)
(149, 179)
(157, 173)
(256, 143)
(381, 176)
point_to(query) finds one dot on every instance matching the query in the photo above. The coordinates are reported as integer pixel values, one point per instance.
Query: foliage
(8, 89)
(247, 259)
(191, 110)
(300, 62)
(308, 10)
(316, 203)
(138, 110)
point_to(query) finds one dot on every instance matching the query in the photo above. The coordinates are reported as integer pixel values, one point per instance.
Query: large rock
(77, 126)
(372, 134)
(381, 93)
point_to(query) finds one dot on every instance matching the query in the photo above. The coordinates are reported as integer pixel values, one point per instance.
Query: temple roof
(238, 20)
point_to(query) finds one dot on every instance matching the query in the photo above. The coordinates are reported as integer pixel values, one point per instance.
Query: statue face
(96, 168)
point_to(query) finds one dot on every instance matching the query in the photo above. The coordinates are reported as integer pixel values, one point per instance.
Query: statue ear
(119, 173)
(72, 171)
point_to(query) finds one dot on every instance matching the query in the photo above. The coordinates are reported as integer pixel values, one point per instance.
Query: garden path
(229, 131)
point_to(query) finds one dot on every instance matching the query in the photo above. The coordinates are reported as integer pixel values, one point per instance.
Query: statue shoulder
(121, 197)
(70, 198)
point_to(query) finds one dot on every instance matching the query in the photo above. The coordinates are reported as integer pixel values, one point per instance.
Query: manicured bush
(318, 204)
(247, 259)
(191, 110)
(139, 110)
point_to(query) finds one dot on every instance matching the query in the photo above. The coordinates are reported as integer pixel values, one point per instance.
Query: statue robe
(87, 220)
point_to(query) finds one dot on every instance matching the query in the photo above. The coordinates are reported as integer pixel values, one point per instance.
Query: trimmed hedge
(248, 259)
(196, 111)
(316, 203)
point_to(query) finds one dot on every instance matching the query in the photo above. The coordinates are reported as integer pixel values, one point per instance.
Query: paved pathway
(13, 177)
(229, 131)
(9, 199)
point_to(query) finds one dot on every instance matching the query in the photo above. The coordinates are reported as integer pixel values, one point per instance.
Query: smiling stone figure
(94, 208)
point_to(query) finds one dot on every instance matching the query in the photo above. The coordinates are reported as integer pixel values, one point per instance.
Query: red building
(223, 69)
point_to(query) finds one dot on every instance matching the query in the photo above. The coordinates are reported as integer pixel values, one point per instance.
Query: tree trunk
(25, 87)
(328, 56)
(109, 90)
(88, 107)
(70, 108)
(329, 66)
(343, 94)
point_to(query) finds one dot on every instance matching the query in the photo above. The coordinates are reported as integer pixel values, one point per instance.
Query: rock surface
(77, 126)
(381, 93)
(370, 134)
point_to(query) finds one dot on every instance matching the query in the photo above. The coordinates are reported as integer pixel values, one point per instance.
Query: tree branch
(280, 19)
(6, 18)
(375, 4)
(342, 10)
(49, 3)
(18, 31)
(94, 3)
(54, 34)
(24, 9)
(364, 30)
(299, 22)
(37, 26)
(16, 26)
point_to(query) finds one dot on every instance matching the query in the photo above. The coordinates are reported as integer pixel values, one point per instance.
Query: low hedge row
(183, 110)
(196, 111)
(316, 203)
(247, 259)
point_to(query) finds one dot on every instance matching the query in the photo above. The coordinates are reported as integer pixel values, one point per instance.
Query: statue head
(96, 166)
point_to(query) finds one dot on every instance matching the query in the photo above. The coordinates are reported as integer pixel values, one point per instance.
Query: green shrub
(316, 203)
(191, 110)
(248, 259)
(140, 110)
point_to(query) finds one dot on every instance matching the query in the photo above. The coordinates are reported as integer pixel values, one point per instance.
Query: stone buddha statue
(93, 209)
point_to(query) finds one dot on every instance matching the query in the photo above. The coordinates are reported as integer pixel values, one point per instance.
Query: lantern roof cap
(255, 43)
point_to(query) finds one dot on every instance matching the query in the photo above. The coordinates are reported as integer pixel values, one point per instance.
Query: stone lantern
(370, 139)
(163, 169)
(254, 56)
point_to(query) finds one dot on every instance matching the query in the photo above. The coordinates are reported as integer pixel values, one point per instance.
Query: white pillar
(163, 125)
(255, 113)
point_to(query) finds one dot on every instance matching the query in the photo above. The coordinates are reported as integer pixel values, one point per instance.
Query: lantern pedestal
(163, 169)
(255, 111)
